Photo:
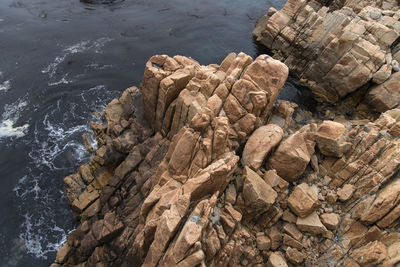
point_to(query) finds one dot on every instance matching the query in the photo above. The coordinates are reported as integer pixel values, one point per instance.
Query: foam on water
(80, 47)
(57, 150)
(10, 116)
(5, 86)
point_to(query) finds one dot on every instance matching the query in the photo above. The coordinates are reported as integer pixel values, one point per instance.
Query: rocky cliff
(216, 173)
(339, 47)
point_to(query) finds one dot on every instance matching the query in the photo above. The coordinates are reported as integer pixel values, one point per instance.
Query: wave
(11, 114)
(5, 86)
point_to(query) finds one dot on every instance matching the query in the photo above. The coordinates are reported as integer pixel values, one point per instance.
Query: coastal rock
(337, 47)
(260, 143)
(295, 151)
(331, 138)
(304, 200)
(187, 191)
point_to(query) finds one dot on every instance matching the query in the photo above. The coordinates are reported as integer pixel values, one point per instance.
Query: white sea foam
(5, 86)
(10, 116)
(80, 47)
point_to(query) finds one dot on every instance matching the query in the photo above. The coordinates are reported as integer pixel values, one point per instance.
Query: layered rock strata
(222, 176)
(338, 47)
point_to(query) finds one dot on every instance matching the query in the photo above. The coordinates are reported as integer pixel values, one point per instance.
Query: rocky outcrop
(337, 47)
(218, 174)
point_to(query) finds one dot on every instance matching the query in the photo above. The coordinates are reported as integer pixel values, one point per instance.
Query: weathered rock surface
(177, 190)
(337, 47)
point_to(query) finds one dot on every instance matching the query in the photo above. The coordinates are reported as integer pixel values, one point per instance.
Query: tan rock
(386, 95)
(304, 200)
(330, 220)
(371, 254)
(276, 260)
(331, 138)
(295, 152)
(345, 192)
(311, 224)
(258, 195)
(259, 144)
(295, 256)
(263, 242)
(384, 202)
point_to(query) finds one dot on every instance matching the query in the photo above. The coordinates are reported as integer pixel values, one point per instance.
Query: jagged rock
(276, 260)
(259, 144)
(295, 256)
(311, 224)
(371, 254)
(345, 192)
(335, 47)
(295, 151)
(330, 220)
(331, 138)
(385, 96)
(258, 195)
(304, 200)
(263, 242)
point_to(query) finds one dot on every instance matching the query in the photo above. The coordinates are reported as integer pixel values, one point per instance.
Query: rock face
(187, 186)
(336, 47)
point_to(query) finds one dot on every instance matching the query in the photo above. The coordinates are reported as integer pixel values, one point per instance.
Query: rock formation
(337, 47)
(218, 175)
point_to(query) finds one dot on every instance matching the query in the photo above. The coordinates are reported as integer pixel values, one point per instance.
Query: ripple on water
(56, 151)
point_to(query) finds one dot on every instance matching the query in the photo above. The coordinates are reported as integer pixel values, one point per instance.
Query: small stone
(345, 192)
(311, 224)
(330, 220)
(331, 138)
(289, 217)
(304, 200)
(276, 260)
(263, 242)
(295, 256)
(331, 197)
(230, 194)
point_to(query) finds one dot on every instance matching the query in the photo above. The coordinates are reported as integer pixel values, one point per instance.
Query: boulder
(259, 144)
(331, 138)
(304, 200)
(330, 220)
(258, 195)
(293, 154)
(371, 254)
(276, 260)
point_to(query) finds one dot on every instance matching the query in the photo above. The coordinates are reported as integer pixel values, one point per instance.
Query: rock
(371, 254)
(382, 74)
(260, 143)
(263, 242)
(386, 95)
(345, 192)
(330, 220)
(304, 200)
(384, 202)
(295, 256)
(295, 151)
(343, 48)
(258, 195)
(276, 260)
(311, 224)
(331, 138)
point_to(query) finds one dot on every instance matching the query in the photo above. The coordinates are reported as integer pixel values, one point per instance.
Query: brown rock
(263, 242)
(388, 198)
(258, 195)
(260, 144)
(371, 254)
(330, 220)
(304, 200)
(311, 224)
(345, 192)
(331, 138)
(295, 152)
(276, 260)
(386, 95)
(295, 256)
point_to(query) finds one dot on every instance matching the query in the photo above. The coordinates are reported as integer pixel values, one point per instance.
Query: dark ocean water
(63, 60)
